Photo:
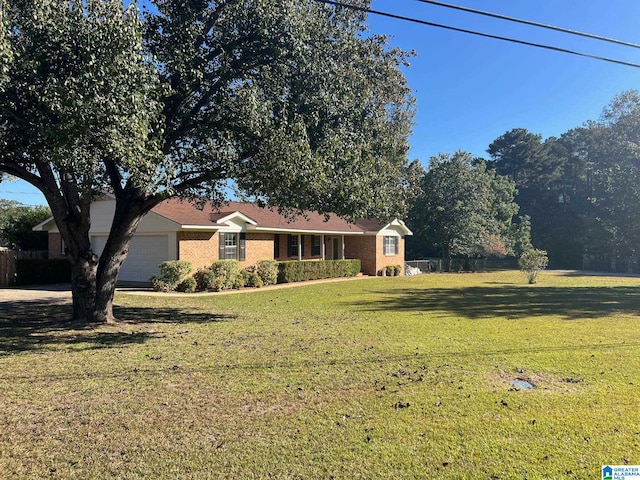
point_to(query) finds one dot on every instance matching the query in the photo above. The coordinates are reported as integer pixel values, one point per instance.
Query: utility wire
(529, 22)
(19, 193)
(480, 34)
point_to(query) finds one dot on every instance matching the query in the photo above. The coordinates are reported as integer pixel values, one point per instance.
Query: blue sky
(470, 90)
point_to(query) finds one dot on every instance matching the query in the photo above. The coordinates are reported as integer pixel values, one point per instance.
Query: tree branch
(114, 175)
(259, 58)
(23, 174)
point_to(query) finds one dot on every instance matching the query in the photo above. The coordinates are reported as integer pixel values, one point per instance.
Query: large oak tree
(291, 102)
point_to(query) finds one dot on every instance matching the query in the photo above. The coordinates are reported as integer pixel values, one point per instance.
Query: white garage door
(146, 252)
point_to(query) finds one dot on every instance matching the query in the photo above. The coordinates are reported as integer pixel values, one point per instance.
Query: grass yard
(372, 379)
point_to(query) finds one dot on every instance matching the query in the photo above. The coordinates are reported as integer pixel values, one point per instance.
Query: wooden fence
(8, 260)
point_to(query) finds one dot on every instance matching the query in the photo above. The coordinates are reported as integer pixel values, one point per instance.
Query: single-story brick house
(178, 230)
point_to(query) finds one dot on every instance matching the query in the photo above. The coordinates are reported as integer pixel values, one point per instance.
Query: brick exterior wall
(202, 248)
(199, 248)
(370, 250)
(364, 248)
(55, 245)
(259, 246)
(383, 260)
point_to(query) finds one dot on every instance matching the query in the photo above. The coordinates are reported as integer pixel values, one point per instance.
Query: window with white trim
(391, 245)
(232, 246)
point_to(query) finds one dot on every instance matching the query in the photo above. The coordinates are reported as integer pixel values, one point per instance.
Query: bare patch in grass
(541, 381)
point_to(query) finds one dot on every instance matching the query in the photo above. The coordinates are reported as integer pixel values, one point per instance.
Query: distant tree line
(579, 192)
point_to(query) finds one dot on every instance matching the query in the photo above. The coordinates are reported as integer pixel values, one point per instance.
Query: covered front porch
(301, 246)
(329, 246)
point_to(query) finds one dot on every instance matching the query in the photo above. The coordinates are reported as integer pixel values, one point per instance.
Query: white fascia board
(200, 227)
(231, 229)
(304, 232)
(403, 226)
(217, 228)
(237, 215)
(397, 225)
(41, 226)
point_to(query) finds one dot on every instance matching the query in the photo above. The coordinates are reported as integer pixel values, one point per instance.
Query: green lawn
(372, 379)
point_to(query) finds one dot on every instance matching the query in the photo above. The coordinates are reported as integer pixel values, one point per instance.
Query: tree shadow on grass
(513, 302)
(33, 326)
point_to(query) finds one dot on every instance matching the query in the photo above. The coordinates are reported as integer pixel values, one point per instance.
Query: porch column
(342, 256)
(323, 248)
(299, 247)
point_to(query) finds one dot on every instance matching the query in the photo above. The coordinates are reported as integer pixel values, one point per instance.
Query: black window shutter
(302, 241)
(221, 247)
(242, 247)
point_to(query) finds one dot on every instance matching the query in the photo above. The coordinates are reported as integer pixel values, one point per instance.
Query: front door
(336, 249)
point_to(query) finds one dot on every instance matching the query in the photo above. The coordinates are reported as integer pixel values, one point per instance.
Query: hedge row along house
(178, 230)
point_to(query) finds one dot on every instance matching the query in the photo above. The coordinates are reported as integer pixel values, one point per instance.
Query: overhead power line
(480, 34)
(19, 193)
(529, 22)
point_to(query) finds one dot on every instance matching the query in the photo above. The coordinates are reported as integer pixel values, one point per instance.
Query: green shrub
(314, 270)
(251, 279)
(227, 273)
(31, 271)
(188, 285)
(160, 285)
(532, 262)
(205, 280)
(267, 270)
(171, 273)
(351, 267)
(391, 270)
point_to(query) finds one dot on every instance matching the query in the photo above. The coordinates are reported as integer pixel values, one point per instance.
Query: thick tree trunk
(83, 286)
(125, 223)
(92, 303)
(114, 254)
(94, 279)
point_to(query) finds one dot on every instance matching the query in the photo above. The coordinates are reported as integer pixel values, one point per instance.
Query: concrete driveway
(14, 298)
